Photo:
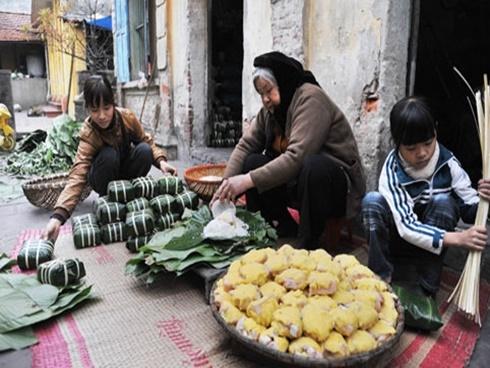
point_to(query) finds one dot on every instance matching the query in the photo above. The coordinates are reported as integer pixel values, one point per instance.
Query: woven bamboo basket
(269, 357)
(44, 192)
(205, 189)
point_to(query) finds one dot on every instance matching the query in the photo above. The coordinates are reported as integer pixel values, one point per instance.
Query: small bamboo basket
(44, 192)
(200, 179)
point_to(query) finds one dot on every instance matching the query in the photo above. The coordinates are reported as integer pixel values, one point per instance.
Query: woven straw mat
(170, 325)
(131, 325)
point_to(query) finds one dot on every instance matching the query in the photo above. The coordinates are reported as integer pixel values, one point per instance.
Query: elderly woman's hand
(231, 188)
(484, 188)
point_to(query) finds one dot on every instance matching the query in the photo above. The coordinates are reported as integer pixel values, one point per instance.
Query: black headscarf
(289, 74)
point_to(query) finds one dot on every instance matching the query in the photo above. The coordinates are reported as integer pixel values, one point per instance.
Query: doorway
(225, 84)
(452, 33)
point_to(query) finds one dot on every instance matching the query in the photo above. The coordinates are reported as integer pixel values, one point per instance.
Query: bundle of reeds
(466, 292)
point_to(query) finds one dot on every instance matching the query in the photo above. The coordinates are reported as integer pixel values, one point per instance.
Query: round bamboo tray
(269, 357)
(44, 192)
(205, 189)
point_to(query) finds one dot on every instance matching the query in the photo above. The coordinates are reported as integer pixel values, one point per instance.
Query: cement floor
(18, 214)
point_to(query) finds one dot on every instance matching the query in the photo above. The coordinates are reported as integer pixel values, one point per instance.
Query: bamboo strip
(466, 294)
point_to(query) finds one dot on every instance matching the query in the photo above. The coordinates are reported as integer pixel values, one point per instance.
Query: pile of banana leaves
(24, 301)
(183, 247)
(54, 155)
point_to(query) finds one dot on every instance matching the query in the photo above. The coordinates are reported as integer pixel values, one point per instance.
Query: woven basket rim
(189, 171)
(261, 350)
(44, 191)
(46, 182)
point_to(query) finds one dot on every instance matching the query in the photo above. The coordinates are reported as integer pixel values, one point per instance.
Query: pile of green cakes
(132, 211)
(37, 254)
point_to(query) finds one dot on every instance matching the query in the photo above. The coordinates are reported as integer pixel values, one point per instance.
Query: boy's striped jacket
(402, 193)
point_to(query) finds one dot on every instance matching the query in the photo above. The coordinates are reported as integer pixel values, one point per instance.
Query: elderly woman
(299, 151)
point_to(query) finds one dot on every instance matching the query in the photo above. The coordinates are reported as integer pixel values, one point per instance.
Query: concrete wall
(134, 99)
(178, 60)
(257, 39)
(356, 49)
(287, 27)
(187, 40)
(358, 52)
(198, 72)
(268, 25)
(29, 92)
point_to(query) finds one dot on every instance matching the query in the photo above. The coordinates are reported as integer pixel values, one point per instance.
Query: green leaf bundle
(54, 155)
(182, 247)
(25, 302)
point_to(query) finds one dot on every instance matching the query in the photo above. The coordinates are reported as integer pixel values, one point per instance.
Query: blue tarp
(104, 23)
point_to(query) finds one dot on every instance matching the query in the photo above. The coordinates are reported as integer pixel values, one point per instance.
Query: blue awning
(104, 23)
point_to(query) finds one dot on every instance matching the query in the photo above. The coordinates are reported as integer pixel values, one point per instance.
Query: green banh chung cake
(86, 236)
(113, 232)
(170, 185)
(145, 187)
(121, 191)
(162, 203)
(111, 212)
(61, 272)
(138, 204)
(34, 252)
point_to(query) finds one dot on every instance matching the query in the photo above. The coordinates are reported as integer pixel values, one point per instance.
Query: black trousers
(318, 192)
(108, 165)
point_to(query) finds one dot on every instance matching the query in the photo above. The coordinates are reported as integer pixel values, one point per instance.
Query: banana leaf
(181, 266)
(204, 250)
(421, 312)
(17, 339)
(25, 301)
(54, 155)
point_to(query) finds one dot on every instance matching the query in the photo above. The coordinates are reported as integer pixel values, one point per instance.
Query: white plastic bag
(225, 224)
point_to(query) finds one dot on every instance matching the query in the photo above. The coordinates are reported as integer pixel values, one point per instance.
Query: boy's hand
(167, 168)
(474, 238)
(484, 188)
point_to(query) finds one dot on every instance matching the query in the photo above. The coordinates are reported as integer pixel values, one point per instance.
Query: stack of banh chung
(133, 211)
(86, 231)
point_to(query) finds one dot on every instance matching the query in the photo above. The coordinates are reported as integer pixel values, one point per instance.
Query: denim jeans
(390, 256)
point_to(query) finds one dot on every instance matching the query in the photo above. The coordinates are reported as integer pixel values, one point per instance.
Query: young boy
(423, 192)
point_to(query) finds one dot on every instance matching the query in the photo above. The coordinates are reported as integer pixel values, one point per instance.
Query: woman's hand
(233, 187)
(484, 188)
(167, 168)
(474, 238)
(52, 230)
